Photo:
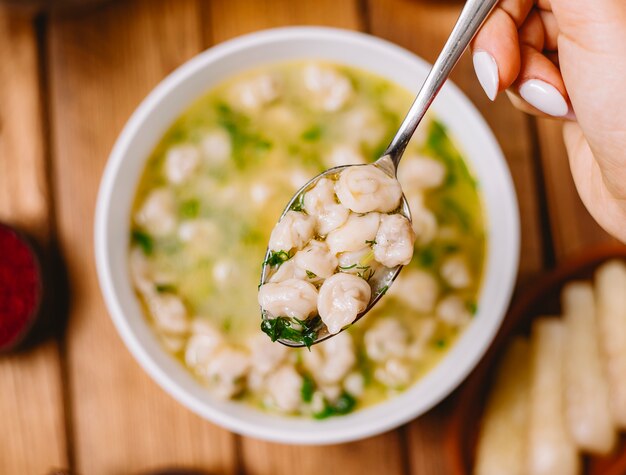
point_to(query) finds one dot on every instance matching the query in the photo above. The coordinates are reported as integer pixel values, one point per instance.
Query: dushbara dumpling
(181, 161)
(294, 230)
(292, 298)
(341, 298)
(357, 232)
(157, 214)
(367, 188)
(328, 88)
(320, 203)
(317, 259)
(394, 241)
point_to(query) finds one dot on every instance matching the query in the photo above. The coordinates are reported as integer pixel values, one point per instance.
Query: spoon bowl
(382, 282)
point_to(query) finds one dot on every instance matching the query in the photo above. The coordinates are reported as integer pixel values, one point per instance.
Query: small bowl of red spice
(21, 288)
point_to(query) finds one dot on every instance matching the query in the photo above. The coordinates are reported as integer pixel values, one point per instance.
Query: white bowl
(172, 96)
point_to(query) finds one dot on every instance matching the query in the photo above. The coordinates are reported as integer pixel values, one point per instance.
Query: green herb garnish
(300, 331)
(348, 267)
(383, 291)
(190, 208)
(441, 343)
(312, 134)
(143, 240)
(276, 258)
(366, 274)
(164, 288)
(472, 307)
(372, 242)
(307, 389)
(426, 257)
(298, 205)
(310, 274)
(344, 405)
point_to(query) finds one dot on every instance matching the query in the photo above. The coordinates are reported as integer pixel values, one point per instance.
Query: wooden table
(68, 82)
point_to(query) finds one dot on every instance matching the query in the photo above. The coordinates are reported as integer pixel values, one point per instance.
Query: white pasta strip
(502, 440)
(550, 448)
(611, 307)
(586, 389)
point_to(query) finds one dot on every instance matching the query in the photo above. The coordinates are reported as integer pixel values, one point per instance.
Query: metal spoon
(472, 16)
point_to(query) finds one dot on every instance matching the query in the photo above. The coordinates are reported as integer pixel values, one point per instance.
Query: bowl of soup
(197, 180)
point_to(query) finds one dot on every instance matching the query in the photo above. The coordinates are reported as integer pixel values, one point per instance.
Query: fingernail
(544, 96)
(487, 73)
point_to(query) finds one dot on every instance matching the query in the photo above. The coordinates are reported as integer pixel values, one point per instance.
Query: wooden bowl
(542, 298)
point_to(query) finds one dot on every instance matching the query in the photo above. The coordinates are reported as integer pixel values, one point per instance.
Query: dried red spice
(20, 288)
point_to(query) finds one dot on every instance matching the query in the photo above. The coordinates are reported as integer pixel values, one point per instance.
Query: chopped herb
(450, 248)
(383, 291)
(348, 267)
(426, 257)
(472, 307)
(285, 329)
(441, 343)
(307, 389)
(310, 274)
(344, 405)
(298, 205)
(144, 241)
(227, 324)
(190, 208)
(276, 258)
(163, 288)
(366, 274)
(372, 242)
(312, 134)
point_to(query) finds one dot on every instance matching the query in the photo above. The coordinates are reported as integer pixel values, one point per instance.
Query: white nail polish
(544, 96)
(487, 73)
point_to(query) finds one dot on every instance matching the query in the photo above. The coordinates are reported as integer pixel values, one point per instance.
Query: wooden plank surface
(102, 63)
(32, 439)
(382, 454)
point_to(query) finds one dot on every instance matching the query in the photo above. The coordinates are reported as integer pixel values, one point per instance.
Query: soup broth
(213, 189)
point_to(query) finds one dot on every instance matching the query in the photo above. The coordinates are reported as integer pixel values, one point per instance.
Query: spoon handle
(472, 17)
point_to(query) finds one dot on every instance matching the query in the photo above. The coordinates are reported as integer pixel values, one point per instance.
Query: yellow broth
(275, 149)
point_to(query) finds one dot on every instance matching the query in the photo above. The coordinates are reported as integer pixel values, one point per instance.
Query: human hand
(567, 58)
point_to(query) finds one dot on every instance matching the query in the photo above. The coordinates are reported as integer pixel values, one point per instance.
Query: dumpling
(341, 298)
(202, 345)
(423, 221)
(157, 214)
(226, 372)
(417, 288)
(169, 313)
(330, 361)
(284, 387)
(286, 271)
(394, 241)
(180, 163)
(329, 89)
(256, 92)
(266, 356)
(291, 298)
(367, 188)
(416, 172)
(360, 262)
(386, 339)
(453, 311)
(316, 260)
(354, 234)
(293, 231)
(217, 146)
(344, 155)
(320, 203)
(455, 272)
